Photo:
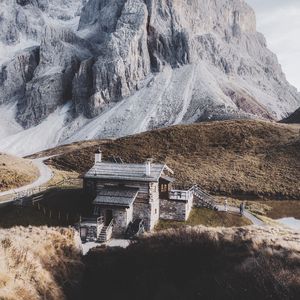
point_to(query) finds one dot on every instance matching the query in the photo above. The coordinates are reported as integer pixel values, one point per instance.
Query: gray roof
(168, 178)
(117, 171)
(119, 196)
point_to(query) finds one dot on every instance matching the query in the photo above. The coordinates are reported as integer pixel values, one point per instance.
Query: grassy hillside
(198, 263)
(15, 172)
(238, 158)
(37, 263)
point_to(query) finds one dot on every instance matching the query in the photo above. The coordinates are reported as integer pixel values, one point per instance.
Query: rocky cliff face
(135, 65)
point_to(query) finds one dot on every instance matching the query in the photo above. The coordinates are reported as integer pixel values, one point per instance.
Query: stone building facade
(126, 192)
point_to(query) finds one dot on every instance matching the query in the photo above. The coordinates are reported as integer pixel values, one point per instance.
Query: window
(164, 188)
(155, 211)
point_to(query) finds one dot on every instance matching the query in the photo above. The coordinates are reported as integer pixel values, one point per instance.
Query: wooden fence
(20, 197)
(60, 216)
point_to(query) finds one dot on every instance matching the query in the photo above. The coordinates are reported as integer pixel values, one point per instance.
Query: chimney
(148, 167)
(98, 156)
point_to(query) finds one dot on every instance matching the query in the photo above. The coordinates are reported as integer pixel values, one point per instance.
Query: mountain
(73, 70)
(293, 118)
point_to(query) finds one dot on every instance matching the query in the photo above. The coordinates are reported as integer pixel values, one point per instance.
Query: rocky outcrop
(293, 118)
(61, 52)
(137, 38)
(17, 73)
(170, 61)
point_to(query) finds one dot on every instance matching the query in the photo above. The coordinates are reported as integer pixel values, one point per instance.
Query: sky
(279, 21)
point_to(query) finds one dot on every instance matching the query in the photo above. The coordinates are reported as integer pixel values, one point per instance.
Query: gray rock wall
(140, 51)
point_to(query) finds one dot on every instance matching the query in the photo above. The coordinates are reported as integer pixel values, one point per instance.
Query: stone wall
(148, 208)
(141, 210)
(154, 204)
(129, 212)
(175, 210)
(122, 218)
(189, 206)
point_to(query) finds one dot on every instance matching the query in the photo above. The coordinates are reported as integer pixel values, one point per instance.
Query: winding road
(45, 176)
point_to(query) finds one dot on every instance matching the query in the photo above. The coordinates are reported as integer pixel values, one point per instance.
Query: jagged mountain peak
(140, 64)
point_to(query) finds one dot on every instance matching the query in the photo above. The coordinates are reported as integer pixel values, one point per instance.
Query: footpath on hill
(247, 214)
(45, 175)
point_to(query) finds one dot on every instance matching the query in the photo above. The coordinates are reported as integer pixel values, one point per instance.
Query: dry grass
(206, 217)
(252, 159)
(282, 209)
(16, 172)
(37, 263)
(60, 176)
(199, 263)
(269, 208)
(59, 150)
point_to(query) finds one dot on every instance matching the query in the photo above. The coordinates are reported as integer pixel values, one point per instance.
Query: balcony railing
(181, 195)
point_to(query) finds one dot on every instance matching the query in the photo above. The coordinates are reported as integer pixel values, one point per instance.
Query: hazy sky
(279, 21)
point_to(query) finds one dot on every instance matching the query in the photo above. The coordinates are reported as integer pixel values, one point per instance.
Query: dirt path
(45, 176)
(247, 214)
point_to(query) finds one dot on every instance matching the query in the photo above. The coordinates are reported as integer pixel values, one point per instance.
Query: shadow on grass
(190, 265)
(61, 207)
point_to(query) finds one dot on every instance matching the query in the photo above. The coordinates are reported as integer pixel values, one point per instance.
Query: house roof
(167, 178)
(119, 171)
(118, 196)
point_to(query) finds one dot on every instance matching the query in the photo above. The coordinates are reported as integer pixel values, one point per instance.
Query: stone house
(123, 193)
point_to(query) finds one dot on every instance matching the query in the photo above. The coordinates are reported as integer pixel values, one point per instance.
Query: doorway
(108, 216)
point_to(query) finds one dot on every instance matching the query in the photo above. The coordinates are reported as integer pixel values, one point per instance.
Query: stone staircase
(203, 199)
(102, 238)
(105, 233)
